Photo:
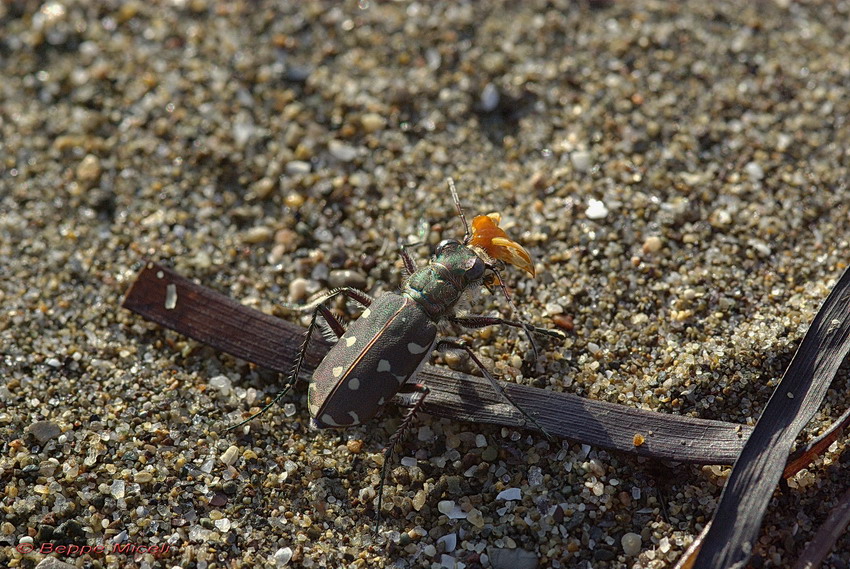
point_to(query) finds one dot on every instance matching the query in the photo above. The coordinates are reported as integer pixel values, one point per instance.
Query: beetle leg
(476, 321)
(354, 294)
(420, 391)
(409, 263)
(461, 345)
(496, 271)
(334, 325)
(481, 321)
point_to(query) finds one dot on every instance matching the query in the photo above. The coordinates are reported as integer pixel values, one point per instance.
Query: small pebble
(651, 244)
(595, 209)
(489, 98)
(297, 290)
(581, 160)
(282, 557)
(89, 169)
(510, 494)
(342, 151)
(298, 168)
(425, 434)
(754, 171)
(449, 542)
(475, 517)
(230, 456)
(143, 477)
(512, 558)
(264, 187)
(445, 506)
(346, 278)
(419, 500)
(44, 431)
(631, 544)
(257, 234)
(222, 383)
(372, 122)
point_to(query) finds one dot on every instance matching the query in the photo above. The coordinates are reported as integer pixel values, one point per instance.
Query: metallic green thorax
(439, 286)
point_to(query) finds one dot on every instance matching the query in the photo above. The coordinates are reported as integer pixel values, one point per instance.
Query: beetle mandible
(379, 354)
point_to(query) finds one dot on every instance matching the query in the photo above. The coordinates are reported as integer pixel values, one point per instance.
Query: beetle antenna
(459, 210)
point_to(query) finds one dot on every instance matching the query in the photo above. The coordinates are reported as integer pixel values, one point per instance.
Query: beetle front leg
(481, 321)
(337, 328)
(420, 391)
(461, 345)
(409, 263)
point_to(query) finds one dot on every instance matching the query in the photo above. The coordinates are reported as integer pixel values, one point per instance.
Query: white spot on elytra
(328, 420)
(365, 313)
(350, 341)
(337, 371)
(354, 384)
(381, 401)
(415, 348)
(401, 378)
(355, 417)
(383, 365)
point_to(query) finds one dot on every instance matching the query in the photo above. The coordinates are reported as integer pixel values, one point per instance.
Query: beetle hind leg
(335, 327)
(419, 392)
(461, 345)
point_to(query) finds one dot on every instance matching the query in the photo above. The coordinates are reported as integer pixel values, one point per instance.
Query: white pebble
(257, 234)
(631, 544)
(595, 209)
(480, 441)
(297, 289)
(510, 494)
(222, 383)
(298, 167)
(408, 461)
(282, 556)
(425, 434)
(535, 476)
(372, 122)
(451, 510)
(754, 171)
(445, 506)
(342, 151)
(450, 541)
(582, 160)
(489, 98)
(652, 244)
(230, 455)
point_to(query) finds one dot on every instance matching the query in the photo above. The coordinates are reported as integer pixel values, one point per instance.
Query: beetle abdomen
(379, 352)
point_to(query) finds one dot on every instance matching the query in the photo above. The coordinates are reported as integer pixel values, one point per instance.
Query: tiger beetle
(376, 358)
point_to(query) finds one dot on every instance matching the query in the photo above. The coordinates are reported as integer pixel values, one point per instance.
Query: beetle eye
(446, 244)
